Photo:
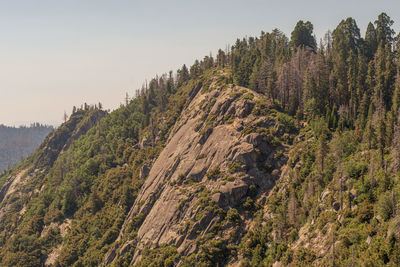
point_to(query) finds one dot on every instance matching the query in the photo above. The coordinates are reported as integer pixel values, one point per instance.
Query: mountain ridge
(18, 143)
(276, 153)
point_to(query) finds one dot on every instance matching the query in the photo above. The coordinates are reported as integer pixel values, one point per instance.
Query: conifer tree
(221, 58)
(396, 97)
(396, 146)
(302, 36)
(371, 42)
(183, 75)
(322, 151)
(384, 32)
(369, 134)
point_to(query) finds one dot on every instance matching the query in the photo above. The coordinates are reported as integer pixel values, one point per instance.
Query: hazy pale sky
(55, 54)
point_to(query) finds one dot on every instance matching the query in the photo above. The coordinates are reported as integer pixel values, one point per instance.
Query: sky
(55, 54)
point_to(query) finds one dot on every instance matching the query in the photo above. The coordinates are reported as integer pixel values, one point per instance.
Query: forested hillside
(18, 143)
(280, 151)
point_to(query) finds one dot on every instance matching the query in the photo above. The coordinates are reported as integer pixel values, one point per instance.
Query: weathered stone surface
(126, 247)
(192, 150)
(234, 192)
(110, 256)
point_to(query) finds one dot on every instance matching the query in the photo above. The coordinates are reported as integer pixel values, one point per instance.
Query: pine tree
(255, 77)
(309, 102)
(371, 42)
(370, 80)
(195, 70)
(352, 82)
(126, 99)
(266, 80)
(384, 77)
(183, 75)
(396, 97)
(384, 32)
(380, 136)
(292, 208)
(363, 111)
(65, 116)
(396, 146)
(346, 40)
(302, 36)
(322, 151)
(322, 81)
(221, 58)
(369, 135)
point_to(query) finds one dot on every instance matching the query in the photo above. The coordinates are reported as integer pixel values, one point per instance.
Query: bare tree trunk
(333, 249)
(341, 192)
(393, 203)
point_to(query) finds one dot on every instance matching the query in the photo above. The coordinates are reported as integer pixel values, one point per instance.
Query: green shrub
(248, 95)
(385, 206)
(234, 166)
(200, 156)
(165, 256)
(287, 122)
(232, 215)
(261, 108)
(326, 217)
(214, 173)
(355, 168)
(249, 204)
(303, 257)
(237, 94)
(365, 212)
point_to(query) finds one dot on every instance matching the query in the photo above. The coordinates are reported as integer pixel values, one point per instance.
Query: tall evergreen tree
(384, 32)
(371, 41)
(183, 75)
(384, 75)
(396, 146)
(302, 36)
(346, 40)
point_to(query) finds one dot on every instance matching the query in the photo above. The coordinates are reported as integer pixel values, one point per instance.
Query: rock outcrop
(214, 154)
(59, 140)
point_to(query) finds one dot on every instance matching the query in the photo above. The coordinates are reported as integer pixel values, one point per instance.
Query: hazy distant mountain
(18, 143)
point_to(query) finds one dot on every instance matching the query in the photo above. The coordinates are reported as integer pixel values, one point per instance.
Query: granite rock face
(209, 155)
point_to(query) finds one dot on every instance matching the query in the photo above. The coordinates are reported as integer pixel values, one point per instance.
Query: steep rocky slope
(213, 175)
(219, 155)
(302, 169)
(214, 168)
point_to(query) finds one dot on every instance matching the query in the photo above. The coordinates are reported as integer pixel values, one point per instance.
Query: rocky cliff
(202, 173)
(219, 156)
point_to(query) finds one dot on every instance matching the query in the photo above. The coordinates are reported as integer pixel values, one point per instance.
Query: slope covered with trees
(278, 151)
(17, 143)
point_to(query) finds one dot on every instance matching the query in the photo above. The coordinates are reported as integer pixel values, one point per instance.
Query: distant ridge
(19, 142)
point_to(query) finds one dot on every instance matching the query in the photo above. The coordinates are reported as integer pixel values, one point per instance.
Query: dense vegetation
(344, 176)
(18, 143)
(341, 98)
